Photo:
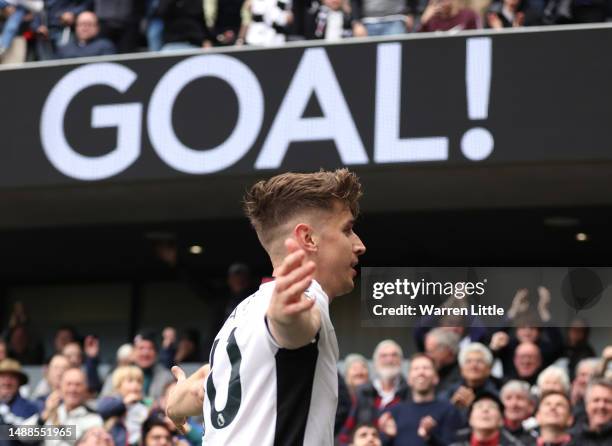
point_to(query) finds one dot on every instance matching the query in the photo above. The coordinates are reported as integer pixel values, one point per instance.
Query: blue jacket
(96, 47)
(14, 413)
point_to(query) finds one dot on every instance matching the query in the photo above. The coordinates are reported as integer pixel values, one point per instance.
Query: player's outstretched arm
(186, 399)
(293, 318)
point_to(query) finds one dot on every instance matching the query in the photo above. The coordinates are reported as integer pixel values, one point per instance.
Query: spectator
(87, 41)
(485, 421)
(328, 20)
(51, 379)
(270, 20)
(14, 409)
(119, 21)
(518, 407)
(95, 436)
(156, 376)
(154, 26)
(585, 371)
(74, 353)
(3, 350)
(382, 18)
(388, 389)
(68, 407)
(125, 413)
(64, 336)
(553, 379)
(558, 12)
(365, 435)
(357, 373)
(423, 420)
(531, 327)
(442, 346)
(577, 346)
(125, 355)
(505, 14)
(554, 417)
(475, 361)
(598, 430)
(155, 432)
(184, 25)
(229, 24)
(448, 15)
(55, 26)
(16, 10)
(22, 346)
(527, 362)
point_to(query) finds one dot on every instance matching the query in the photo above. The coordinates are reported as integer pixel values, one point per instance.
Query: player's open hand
(293, 277)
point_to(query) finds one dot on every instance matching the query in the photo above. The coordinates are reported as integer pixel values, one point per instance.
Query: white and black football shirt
(258, 393)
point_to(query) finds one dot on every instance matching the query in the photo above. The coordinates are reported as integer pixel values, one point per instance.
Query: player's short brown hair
(269, 203)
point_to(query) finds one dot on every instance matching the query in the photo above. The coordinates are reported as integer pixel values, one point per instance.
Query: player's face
(338, 251)
(366, 436)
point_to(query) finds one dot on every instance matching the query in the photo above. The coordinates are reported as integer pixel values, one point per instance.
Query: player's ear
(303, 233)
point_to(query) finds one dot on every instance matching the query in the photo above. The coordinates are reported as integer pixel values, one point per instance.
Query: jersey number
(223, 418)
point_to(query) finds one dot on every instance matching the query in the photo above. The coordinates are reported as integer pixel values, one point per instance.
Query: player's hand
(177, 420)
(499, 340)
(387, 424)
(293, 277)
(426, 425)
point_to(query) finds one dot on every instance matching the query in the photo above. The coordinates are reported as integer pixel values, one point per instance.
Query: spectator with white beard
(387, 389)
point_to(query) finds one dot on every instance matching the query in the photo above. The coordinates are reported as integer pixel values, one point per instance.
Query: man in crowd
(156, 376)
(597, 431)
(74, 353)
(485, 424)
(553, 379)
(585, 370)
(14, 409)
(388, 389)
(87, 40)
(527, 362)
(475, 361)
(356, 373)
(51, 380)
(518, 407)
(442, 346)
(554, 417)
(380, 18)
(95, 436)
(68, 407)
(366, 435)
(423, 420)
(447, 15)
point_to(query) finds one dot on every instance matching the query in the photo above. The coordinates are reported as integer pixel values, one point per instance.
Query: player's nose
(359, 247)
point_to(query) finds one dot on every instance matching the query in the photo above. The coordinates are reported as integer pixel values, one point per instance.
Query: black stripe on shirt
(295, 370)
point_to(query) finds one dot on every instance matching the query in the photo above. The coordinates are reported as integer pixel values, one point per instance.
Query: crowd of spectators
(56, 29)
(525, 384)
